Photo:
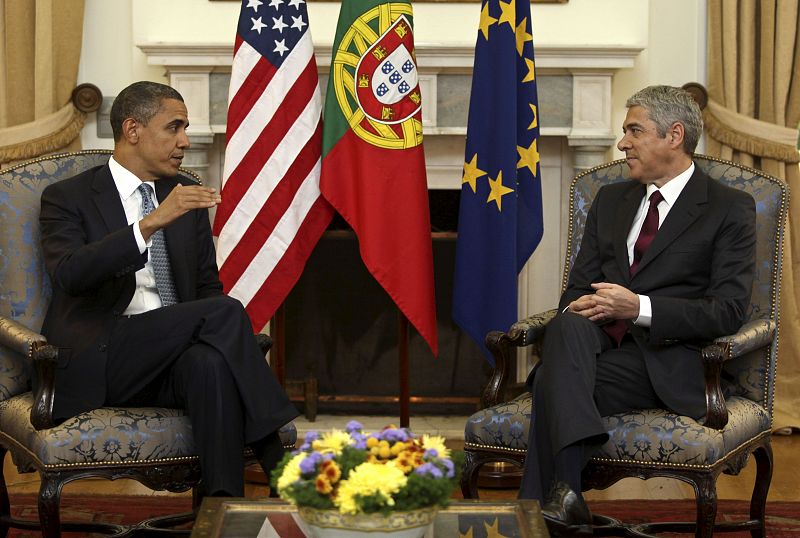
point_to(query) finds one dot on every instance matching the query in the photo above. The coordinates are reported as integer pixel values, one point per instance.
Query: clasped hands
(608, 302)
(181, 200)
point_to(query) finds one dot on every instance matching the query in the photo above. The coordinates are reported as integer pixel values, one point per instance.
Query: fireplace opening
(341, 328)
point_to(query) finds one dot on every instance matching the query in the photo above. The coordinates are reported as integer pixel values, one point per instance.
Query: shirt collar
(672, 188)
(125, 180)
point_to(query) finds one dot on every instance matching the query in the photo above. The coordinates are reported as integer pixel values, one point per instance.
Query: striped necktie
(158, 254)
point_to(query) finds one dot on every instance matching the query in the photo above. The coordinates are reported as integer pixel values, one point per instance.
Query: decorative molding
(589, 132)
(430, 56)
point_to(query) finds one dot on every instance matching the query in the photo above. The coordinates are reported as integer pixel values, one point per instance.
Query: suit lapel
(107, 201)
(622, 225)
(687, 208)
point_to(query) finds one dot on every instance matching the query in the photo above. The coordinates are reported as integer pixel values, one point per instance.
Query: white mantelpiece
(566, 149)
(189, 65)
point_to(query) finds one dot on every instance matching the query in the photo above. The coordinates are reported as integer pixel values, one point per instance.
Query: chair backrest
(753, 374)
(25, 288)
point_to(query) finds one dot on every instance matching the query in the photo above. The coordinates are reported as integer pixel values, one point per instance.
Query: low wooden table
(240, 518)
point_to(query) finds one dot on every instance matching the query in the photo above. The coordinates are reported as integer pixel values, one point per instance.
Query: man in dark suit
(666, 263)
(138, 311)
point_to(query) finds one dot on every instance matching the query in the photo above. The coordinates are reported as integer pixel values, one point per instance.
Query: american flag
(271, 214)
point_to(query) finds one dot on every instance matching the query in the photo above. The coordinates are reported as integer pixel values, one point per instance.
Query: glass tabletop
(268, 518)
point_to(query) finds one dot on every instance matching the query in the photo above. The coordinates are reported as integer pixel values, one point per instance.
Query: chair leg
(469, 475)
(758, 503)
(5, 504)
(706, 492)
(49, 503)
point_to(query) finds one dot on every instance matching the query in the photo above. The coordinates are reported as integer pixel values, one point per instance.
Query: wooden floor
(785, 482)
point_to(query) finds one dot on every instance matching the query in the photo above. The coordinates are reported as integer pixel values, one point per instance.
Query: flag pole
(402, 350)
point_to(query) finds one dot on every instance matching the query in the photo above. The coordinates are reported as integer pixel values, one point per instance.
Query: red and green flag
(373, 165)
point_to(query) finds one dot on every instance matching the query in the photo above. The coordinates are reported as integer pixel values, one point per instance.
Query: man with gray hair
(666, 263)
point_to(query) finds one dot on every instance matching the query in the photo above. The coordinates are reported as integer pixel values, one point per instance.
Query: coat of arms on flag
(388, 88)
(374, 75)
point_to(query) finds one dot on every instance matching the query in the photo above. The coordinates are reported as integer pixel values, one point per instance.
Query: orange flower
(331, 471)
(323, 485)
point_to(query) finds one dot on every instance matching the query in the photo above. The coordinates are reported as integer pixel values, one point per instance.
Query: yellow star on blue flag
(500, 214)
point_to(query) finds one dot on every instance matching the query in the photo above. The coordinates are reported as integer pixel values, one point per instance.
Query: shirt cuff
(645, 312)
(140, 242)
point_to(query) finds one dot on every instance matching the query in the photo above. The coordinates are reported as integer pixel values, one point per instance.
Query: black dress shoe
(565, 512)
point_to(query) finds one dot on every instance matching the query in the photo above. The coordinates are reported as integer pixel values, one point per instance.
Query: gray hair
(140, 101)
(667, 105)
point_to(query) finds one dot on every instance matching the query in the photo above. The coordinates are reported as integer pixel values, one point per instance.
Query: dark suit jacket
(698, 273)
(91, 256)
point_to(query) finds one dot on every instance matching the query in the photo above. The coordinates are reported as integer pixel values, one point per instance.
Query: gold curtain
(40, 47)
(754, 108)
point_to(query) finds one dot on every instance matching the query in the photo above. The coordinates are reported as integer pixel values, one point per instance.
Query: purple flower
(359, 440)
(394, 435)
(309, 463)
(451, 471)
(429, 469)
(353, 426)
(311, 436)
(431, 453)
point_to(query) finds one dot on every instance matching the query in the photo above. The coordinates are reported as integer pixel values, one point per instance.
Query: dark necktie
(617, 328)
(158, 254)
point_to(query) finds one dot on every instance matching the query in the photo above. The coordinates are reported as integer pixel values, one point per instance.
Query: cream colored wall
(671, 32)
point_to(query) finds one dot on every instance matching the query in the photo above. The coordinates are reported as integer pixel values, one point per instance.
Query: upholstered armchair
(655, 442)
(151, 445)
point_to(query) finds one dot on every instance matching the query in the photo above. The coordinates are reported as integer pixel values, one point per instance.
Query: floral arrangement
(356, 472)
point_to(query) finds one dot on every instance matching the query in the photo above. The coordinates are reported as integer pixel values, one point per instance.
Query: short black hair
(140, 101)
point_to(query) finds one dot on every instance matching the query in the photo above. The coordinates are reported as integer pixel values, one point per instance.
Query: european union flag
(500, 217)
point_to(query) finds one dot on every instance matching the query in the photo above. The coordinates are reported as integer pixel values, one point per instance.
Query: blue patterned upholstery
(657, 436)
(652, 435)
(656, 442)
(106, 435)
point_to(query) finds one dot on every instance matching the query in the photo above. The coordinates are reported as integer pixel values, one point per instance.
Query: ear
(675, 135)
(130, 130)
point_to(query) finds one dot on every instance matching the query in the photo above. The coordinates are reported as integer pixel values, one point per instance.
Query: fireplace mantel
(575, 102)
(584, 71)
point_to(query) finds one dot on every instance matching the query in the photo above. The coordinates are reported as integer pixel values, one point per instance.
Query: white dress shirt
(145, 297)
(670, 191)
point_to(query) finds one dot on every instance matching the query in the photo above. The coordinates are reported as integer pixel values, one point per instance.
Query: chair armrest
(44, 356)
(529, 330)
(753, 335)
(521, 334)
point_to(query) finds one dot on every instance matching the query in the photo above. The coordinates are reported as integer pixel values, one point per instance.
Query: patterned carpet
(783, 517)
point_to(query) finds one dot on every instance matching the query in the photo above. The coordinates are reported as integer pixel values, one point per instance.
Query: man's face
(161, 143)
(648, 155)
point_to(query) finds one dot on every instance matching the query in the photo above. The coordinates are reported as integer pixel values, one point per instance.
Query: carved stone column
(193, 84)
(591, 135)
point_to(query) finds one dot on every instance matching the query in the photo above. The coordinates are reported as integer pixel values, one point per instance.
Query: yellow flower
(435, 442)
(404, 462)
(333, 441)
(372, 442)
(291, 473)
(369, 479)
